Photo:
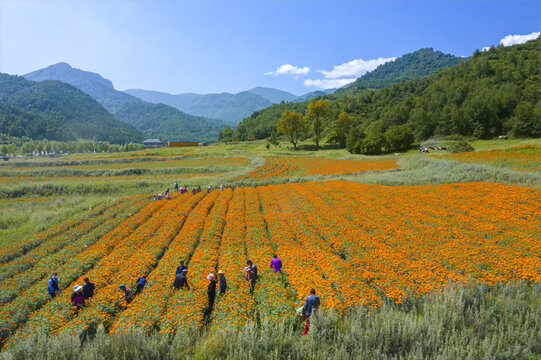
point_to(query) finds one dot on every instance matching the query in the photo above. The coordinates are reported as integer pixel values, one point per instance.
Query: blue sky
(229, 46)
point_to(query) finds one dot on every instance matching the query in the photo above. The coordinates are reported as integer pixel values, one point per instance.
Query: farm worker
(128, 294)
(250, 277)
(223, 283)
(155, 197)
(198, 188)
(78, 298)
(276, 264)
(211, 291)
(221, 188)
(53, 286)
(194, 191)
(88, 289)
(168, 196)
(253, 267)
(141, 281)
(167, 191)
(181, 267)
(181, 280)
(176, 186)
(310, 304)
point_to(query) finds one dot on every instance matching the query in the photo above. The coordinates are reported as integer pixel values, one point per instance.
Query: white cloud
(357, 67)
(328, 83)
(289, 69)
(518, 39)
(486, 48)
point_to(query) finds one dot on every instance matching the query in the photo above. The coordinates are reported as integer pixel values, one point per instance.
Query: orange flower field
(306, 166)
(355, 244)
(523, 158)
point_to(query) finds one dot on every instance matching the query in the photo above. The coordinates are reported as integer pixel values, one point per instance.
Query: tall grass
(477, 322)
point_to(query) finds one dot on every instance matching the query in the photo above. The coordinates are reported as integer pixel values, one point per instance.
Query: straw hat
(77, 288)
(211, 277)
(220, 272)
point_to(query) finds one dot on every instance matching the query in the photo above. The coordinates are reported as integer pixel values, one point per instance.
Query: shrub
(459, 146)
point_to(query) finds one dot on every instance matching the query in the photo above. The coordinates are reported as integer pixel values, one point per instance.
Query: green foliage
(166, 122)
(57, 111)
(398, 138)
(226, 135)
(477, 97)
(292, 125)
(459, 146)
(318, 111)
(419, 63)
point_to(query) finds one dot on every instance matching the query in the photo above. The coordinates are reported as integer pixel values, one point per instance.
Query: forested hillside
(492, 93)
(93, 84)
(61, 110)
(166, 122)
(419, 63)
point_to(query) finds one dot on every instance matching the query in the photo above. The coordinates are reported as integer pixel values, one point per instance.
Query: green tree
(241, 131)
(292, 125)
(398, 138)
(353, 140)
(343, 124)
(4, 149)
(227, 134)
(27, 148)
(526, 121)
(318, 110)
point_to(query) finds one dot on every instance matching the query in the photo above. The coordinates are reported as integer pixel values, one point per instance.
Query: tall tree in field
(318, 110)
(343, 124)
(292, 125)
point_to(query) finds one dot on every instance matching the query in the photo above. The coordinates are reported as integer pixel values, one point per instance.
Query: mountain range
(156, 120)
(229, 107)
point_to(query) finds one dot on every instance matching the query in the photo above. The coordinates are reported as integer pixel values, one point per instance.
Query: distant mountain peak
(65, 72)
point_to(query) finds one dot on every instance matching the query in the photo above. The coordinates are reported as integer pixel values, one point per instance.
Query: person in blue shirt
(52, 286)
(310, 304)
(141, 281)
(223, 283)
(88, 289)
(180, 268)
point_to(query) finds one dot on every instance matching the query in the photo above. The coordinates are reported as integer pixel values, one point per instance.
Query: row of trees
(61, 147)
(296, 126)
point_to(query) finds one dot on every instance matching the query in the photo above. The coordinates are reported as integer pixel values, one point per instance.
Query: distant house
(152, 143)
(182, 143)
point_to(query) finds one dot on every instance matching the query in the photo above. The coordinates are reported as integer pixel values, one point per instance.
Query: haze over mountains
(229, 107)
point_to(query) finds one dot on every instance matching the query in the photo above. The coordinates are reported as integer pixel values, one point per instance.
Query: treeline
(27, 146)
(494, 93)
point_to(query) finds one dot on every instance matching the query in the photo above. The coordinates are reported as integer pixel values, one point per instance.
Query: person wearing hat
(223, 283)
(88, 288)
(181, 280)
(78, 298)
(253, 267)
(181, 268)
(211, 291)
(52, 286)
(128, 294)
(249, 275)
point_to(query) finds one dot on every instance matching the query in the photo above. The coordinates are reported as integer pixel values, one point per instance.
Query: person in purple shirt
(276, 264)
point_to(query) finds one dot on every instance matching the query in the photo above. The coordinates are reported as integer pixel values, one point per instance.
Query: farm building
(182, 143)
(152, 143)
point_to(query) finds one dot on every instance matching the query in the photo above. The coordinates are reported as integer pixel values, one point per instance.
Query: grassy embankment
(37, 193)
(477, 322)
